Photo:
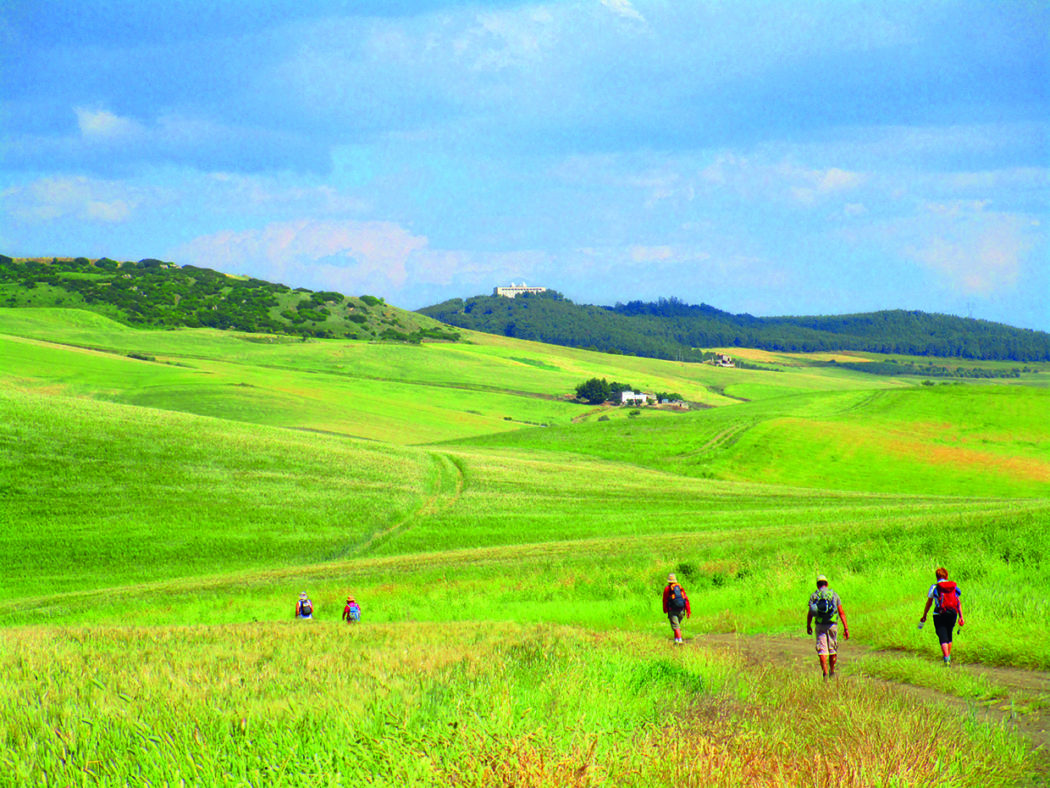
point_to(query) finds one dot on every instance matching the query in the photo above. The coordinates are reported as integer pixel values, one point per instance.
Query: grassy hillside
(171, 492)
(156, 293)
(401, 393)
(985, 441)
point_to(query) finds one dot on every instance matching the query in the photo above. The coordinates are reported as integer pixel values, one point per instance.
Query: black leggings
(944, 623)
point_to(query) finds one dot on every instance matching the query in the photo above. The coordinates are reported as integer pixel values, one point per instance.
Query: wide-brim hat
(302, 595)
(821, 579)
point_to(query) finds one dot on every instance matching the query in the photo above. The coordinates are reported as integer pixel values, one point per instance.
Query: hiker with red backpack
(675, 604)
(825, 607)
(944, 597)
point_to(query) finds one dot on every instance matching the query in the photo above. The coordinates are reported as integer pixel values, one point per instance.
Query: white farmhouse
(633, 398)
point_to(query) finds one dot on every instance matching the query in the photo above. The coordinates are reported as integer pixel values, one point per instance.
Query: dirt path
(445, 494)
(798, 653)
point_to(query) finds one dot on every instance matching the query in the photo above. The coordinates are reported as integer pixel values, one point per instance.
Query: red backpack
(947, 597)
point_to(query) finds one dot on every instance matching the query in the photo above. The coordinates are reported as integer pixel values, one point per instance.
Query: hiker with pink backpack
(944, 597)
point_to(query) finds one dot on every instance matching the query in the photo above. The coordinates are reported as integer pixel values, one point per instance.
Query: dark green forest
(157, 294)
(672, 329)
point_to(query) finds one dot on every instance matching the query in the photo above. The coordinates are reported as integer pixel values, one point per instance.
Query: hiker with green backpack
(675, 604)
(825, 608)
(944, 597)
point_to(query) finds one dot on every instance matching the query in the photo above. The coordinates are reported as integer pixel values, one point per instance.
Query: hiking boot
(947, 662)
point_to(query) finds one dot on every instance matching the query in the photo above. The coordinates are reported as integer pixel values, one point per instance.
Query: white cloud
(75, 197)
(623, 8)
(368, 253)
(758, 179)
(646, 254)
(379, 257)
(285, 193)
(101, 124)
(975, 251)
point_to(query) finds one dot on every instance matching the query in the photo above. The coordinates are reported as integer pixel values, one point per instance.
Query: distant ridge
(157, 294)
(670, 328)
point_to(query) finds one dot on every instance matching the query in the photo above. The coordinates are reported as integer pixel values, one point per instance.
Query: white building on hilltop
(516, 290)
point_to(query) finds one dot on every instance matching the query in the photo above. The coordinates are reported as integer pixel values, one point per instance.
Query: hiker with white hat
(826, 608)
(304, 608)
(676, 606)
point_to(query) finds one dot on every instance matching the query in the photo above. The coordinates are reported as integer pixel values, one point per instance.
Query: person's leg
(950, 625)
(833, 648)
(676, 626)
(944, 623)
(823, 651)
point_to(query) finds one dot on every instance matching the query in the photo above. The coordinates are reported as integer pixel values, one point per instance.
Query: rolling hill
(160, 294)
(170, 491)
(672, 329)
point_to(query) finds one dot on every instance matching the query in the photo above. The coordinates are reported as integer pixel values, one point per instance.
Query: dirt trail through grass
(446, 492)
(798, 653)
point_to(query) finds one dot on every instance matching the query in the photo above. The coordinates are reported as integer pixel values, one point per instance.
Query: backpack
(677, 598)
(305, 608)
(353, 614)
(947, 597)
(824, 606)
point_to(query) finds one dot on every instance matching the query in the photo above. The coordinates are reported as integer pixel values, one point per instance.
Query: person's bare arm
(809, 623)
(929, 603)
(845, 626)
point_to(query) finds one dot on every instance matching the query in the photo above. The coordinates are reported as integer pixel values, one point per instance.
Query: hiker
(304, 608)
(825, 606)
(352, 611)
(675, 603)
(944, 596)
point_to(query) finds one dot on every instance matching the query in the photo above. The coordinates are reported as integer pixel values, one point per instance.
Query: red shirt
(667, 600)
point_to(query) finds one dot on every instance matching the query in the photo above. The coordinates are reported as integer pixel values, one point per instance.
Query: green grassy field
(163, 515)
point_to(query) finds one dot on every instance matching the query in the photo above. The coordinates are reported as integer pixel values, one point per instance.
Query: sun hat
(821, 579)
(350, 599)
(302, 595)
(671, 578)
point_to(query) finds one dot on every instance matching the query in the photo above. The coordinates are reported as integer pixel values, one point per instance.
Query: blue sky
(764, 157)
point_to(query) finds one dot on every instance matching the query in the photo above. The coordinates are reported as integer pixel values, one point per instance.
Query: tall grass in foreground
(312, 703)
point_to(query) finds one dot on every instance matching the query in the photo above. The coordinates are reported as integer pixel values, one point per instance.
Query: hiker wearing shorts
(304, 608)
(825, 608)
(352, 611)
(944, 597)
(676, 603)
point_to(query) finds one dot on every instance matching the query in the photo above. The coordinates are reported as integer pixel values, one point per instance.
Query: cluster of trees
(671, 329)
(598, 390)
(155, 293)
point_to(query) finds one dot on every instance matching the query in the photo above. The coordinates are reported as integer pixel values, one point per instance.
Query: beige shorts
(827, 639)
